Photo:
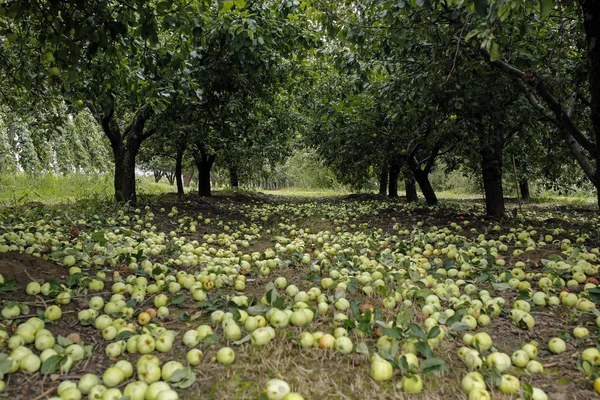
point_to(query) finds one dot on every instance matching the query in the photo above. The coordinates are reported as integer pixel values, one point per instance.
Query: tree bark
(411, 190)
(393, 179)
(491, 168)
(422, 179)
(234, 180)
(125, 146)
(187, 179)
(170, 177)
(179, 171)
(591, 25)
(124, 155)
(204, 163)
(524, 188)
(383, 180)
(157, 175)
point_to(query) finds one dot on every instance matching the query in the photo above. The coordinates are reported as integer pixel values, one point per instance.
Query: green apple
(509, 384)
(87, 382)
(277, 389)
(113, 376)
(344, 345)
(194, 356)
(149, 372)
(472, 381)
(169, 368)
(412, 383)
(534, 367)
(520, 358)
(381, 370)
(225, 355)
(557, 345)
(136, 390)
(483, 340)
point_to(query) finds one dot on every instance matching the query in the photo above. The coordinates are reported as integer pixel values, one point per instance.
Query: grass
(308, 192)
(21, 188)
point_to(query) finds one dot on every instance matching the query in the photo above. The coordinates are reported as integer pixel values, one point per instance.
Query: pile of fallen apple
(411, 289)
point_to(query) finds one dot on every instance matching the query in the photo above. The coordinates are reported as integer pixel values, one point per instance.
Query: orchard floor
(315, 373)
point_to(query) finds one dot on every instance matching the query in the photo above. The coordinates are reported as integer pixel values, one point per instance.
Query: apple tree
(122, 61)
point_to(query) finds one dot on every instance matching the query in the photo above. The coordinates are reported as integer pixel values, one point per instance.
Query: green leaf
(88, 350)
(501, 287)
(417, 331)
(403, 317)
(433, 332)
(124, 335)
(459, 326)
(495, 53)
(24, 309)
(433, 365)
(448, 263)
(422, 293)
(424, 348)
(211, 339)
(403, 363)
(354, 309)
(546, 6)
(362, 348)
(227, 6)
(483, 277)
(9, 286)
(257, 309)
(99, 237)
(52, 364)
(5, 365)
(472, 34)
(271, 295)
(177, 299)
(392, 332)
(183, 378)
(185, 317)
(242, 340)
(594, 295)
(63, 341)
(481, 8)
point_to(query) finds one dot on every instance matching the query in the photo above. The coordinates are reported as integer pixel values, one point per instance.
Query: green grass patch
(308, 192)
(22, 188)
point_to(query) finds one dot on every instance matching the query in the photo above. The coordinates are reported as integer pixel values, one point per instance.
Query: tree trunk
(524, 188)
(171, 178)
(179, 171)
(204, 163)
(491, 168)
(187, 179)
(393, 180)
(383, 181)
(422, 179)
(411, 190)
(125, 146)
(591, 25)
(124, 182)
(157, 175)
(234, 181)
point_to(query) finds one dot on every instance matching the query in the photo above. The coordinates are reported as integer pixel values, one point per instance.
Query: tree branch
(537, 84)
(135, 129)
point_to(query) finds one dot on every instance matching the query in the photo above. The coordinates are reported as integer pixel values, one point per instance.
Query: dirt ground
(316, 373)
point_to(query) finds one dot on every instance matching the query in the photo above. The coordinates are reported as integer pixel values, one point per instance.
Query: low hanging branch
(579, 145)
(537, 84)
